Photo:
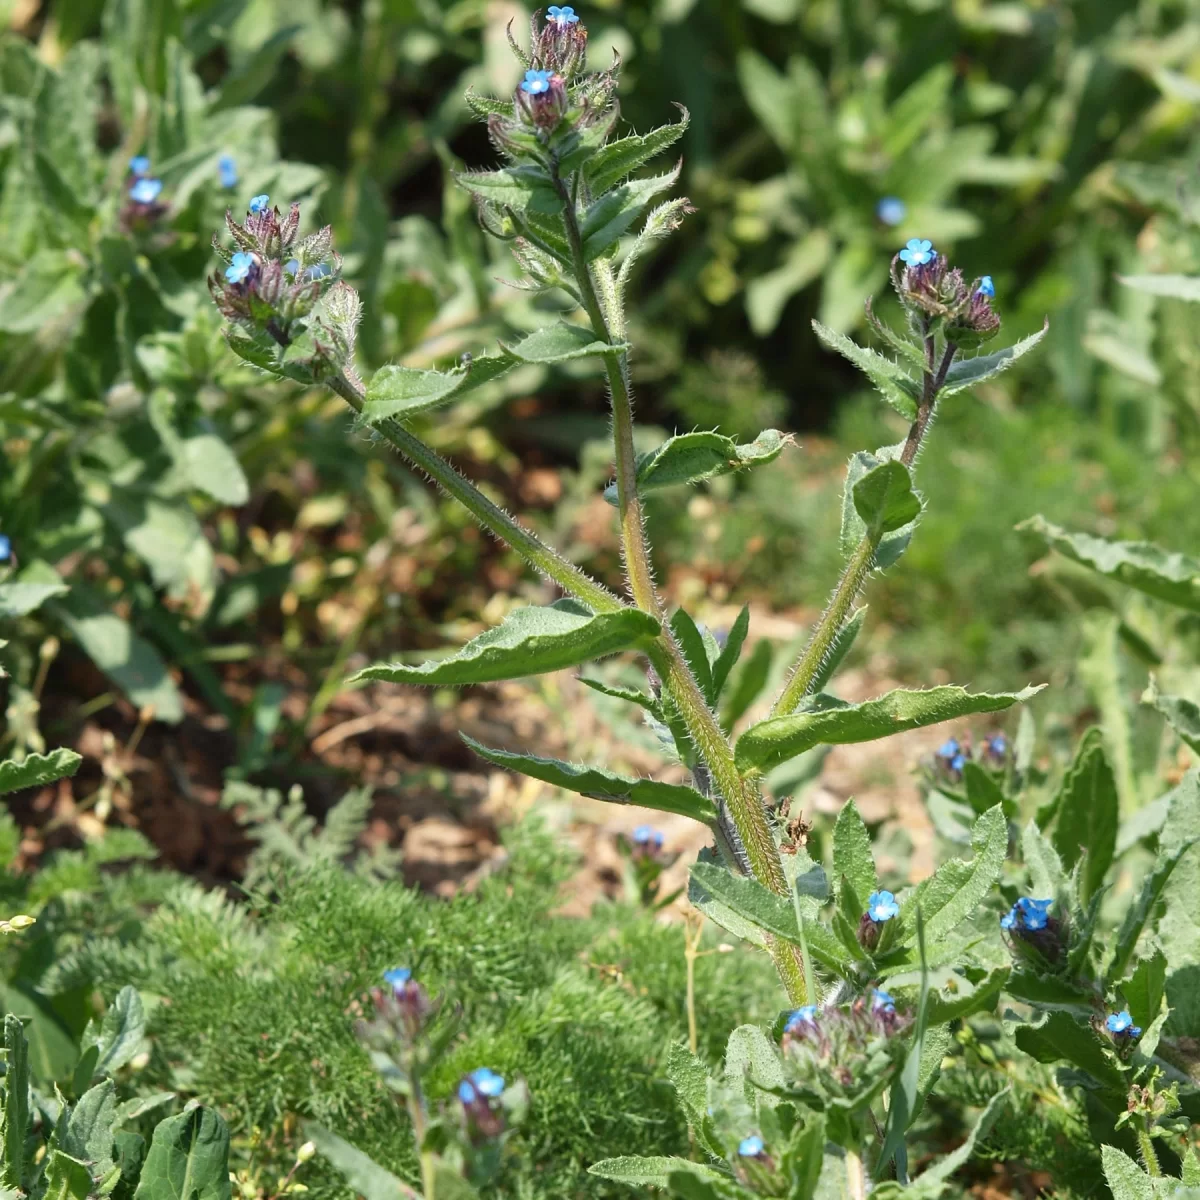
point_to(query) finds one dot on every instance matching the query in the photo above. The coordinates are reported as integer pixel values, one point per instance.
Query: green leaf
(19, 599)
(694, 457)
(690, 1078)
(838, 649)
(362, 1173)
(530, 641)
(884, 499)
(752, 1062)
(968, 998)
(852, 857)
(1088, 814)
(1061, 1037)
(691, 642)
(600, 784)
(614, 213)
(1182, 715)
(748, 682)
(121, 1032)
(767, 295)
(37, 770)
(967, 373)
(559, 343)
(1125, 1178)
(89, 1132)
(1176, 287)
(953, 892)
(66, 1178)
(402, 392)
(730, 652)
(941, 1171)
(891, 379)
(610, 164)
(777, 739)
(1046, 874)
(646, 1172)
(522, 189)
(188, 1158)
(1167, 576)
(48, 293)
(1145, 988)
(16, 1104)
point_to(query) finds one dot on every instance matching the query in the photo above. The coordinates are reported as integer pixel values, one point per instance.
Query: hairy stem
(1149, 1154)
(742, 797)
(862, 561)
(856, 1176)
(491, 516)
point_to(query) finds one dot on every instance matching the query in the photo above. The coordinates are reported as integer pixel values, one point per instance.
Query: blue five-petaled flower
(536, 82)
(227, 170)
(800, 1017)
(751, 1147)
(145, 191)
(1027, 914)
(882, 906)
(562, 17)
(483, 1081)
(1122, 1024)
(239, 268)
(986, 287)
(918, 252)
(139, 165)
(882, 1002)
(397, 976)
(259, 204)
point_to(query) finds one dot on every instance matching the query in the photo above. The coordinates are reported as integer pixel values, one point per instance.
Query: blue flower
(227, 170)
(751, 1147)
(882, 906)
(800, 1017)
(486, 1081)
(957, 762)
(5, 548)
(949, 749)
(986, 287)
(239, 268)
(536, 82)
(918, 252)
(881, 1001)
(397, 976)
(139, 165)
(891, 210)
(1027, 914)
(259, 204)
(1009, 920)
(467, 1092)
(644, 835)
(562, 17)
(292, 266)
(145, 191)
(997, 744)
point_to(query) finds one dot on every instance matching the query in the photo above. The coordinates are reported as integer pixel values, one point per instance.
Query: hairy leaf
(1182, 715)
(751, 1061)
(1046, 874)
(1088, 814)
(892, 379)
(647, 1172)
(1125, 1178)
(16, 1104)
(530, 641)
(884, 498)
(777, 739)
(600, 784)
(852, 857)
(522, 189)
(37, 770)
(20, 599)
(560, 342)
(121, 1032)
(66, 1178)
(1167, 576)
(966, 373)
(610, 164)
(886, 489)
(188, 1159)
(1145, 988)
(1061, 1037)
(405, 391)
(1175, 287)
(730, 652)
(614, 213)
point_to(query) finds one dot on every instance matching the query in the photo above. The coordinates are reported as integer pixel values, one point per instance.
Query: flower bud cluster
(402, 1008)
(931, 290)
(479, 1095)
(953, 755)
(142, 204)
(1033, 934)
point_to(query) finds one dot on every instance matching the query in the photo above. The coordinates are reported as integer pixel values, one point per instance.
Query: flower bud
(542, 98)
(1032, 933)
(562, 44)
(479, 1094)
(307, 1151)
(975, 322)
(874, 932)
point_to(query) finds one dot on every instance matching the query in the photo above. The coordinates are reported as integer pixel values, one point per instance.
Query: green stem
(741, 797)
(862, 561)
(1149, 1154)
(416, 1114)
(856, 1176)
(491, 516)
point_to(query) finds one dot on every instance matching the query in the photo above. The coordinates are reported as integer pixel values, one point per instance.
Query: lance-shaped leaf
(362, 1172)
(530, 641)
(1183, 715)
(1167, 576)
(405, 391)
(560, 343)
(777, 739)
(967, 372)
(1175, 287)
(693, 457)
(853, 862)
(892, 380)
(887, 507)
(600, 784)
(653, 1172)
(931, 1182)
(1061, 1036)
(16, 1105)
(19, 599)
(1088, 814)
(614, 213)
(610, 164)
(523, 189)
(37, 770)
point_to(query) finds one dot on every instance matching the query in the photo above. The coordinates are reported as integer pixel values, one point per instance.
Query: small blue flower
(986, 287)
(259, 204)
(1034, 913)
(487, 1081)
(562, 17)
(145, 191)
(882, 906)
(801, 1017)
(1121, 1024)
(467, 1092)
(536, 82)
(644, 835)
(139, 165)
(918, 252)
(997, 744)
(1009, 920)
(881, 1001)
(227, 170)
(397, 976)
(957, 762)
(292, 266)
(891, 210)
(949, 749)
(5, 548)
(239, 268)
(751, 1147)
